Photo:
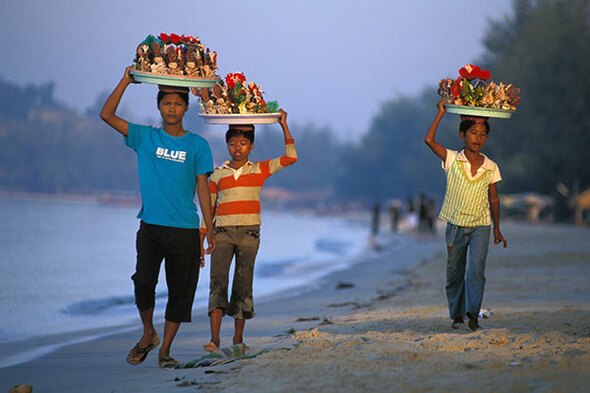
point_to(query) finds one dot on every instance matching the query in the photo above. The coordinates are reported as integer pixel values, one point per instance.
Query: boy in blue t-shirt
(173, 164)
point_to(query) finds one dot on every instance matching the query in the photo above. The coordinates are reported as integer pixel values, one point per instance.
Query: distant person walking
(470, 197)
(375, 224)
(173, 163)
(394, 210)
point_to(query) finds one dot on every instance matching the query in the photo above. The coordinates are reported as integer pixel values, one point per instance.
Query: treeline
(543, 47)
(49, 148)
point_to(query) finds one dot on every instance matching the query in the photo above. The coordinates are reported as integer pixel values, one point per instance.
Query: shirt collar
(487, 163)
(226, 163)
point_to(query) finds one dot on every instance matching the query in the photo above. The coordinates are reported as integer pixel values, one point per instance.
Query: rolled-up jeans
(241, 242)
(465, 288)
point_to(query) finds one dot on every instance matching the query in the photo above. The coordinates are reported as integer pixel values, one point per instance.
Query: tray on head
(477, 111)
(172, 80)
(239, 118)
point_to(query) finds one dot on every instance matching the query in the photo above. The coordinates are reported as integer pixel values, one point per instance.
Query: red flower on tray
(164, 37)
(170, 39)
(175, 39)
(232, 79)
(189, 39)
(470, 72)
(456, 87)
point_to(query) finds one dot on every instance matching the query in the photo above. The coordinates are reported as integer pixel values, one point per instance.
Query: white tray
(238, 118)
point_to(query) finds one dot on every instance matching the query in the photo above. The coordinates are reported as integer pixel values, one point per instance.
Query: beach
(380, 325)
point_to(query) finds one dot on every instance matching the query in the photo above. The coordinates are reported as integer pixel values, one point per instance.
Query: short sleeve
(451, 157)
(204, 162)
(496, 175)
(134, 135)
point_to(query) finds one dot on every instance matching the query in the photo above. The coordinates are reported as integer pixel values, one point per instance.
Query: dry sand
(389, 332)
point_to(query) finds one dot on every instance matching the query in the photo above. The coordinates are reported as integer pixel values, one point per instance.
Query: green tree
(544, 49)
(391, 160)
(319, 157)
(49, 148)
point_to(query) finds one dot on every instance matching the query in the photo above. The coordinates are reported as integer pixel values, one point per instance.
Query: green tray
(172, 80)
(481, 112)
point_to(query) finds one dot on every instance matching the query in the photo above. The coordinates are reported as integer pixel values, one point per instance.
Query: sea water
(65, 266)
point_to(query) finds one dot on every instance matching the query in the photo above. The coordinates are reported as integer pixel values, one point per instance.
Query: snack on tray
(472, 89)
(175, 55)
(235, 96)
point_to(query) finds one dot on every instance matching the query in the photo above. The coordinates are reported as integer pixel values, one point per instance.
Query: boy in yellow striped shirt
(235, 190)
(471, 199)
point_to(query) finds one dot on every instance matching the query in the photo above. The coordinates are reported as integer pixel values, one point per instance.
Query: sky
(328, 63)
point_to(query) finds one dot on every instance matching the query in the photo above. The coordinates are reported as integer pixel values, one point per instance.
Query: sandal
(457, 322)
(210, 347)
(473, 323)
(138, 354)
(167, 361)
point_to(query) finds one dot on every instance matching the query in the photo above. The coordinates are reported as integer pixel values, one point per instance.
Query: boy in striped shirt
(471, 199)
(235, 195)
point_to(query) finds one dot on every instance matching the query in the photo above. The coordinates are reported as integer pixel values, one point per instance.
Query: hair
(233, 132)
(466, 125)
(162, 94)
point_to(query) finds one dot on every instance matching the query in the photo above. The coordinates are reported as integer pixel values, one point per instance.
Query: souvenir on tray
(473, 94)
(175, 60)
(236, 102)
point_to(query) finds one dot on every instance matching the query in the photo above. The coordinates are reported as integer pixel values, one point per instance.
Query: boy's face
(239, 147)
(475, 137)
(172, 108)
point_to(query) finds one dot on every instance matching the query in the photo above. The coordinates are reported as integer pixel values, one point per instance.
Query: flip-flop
(210, 347)
(167, 361)
(138, 354)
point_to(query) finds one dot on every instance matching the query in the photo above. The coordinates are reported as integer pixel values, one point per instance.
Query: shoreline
(30, 348)
(24, 340)
(389, 328)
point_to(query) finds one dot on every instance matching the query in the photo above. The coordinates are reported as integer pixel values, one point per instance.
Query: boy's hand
(127, 77)
(202, 243)
(283, 119)
(441, 106)
(498, 237)
(211, 243)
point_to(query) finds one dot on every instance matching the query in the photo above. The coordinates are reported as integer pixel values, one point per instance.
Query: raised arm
(112, 103)
(284, 125)
(430, 138)
(290, 157)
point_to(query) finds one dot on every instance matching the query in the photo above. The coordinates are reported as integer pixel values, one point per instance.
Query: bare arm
(430, 138)
(112, 103)
(284, 125)
(495, 210)
(205, 204)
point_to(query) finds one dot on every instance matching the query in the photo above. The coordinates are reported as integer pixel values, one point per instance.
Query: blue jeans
(465, 291)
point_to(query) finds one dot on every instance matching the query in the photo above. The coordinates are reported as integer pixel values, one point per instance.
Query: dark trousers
(180, 248)
(241, 242)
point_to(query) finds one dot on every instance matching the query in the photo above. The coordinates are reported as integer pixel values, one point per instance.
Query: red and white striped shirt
(235, 193)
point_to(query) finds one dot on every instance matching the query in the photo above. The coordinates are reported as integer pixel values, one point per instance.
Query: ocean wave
(97, 306)
(333, 246)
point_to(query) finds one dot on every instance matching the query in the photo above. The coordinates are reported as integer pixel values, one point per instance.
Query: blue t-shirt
(168, 167)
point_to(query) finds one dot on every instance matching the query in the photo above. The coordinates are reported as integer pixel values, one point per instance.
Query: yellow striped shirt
(466, 200)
